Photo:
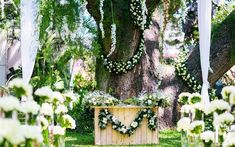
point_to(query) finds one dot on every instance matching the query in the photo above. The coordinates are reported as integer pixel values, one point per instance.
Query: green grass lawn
(168, 138)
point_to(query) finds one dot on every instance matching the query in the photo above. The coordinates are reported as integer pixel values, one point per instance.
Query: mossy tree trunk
(144, 77)
(141, 78)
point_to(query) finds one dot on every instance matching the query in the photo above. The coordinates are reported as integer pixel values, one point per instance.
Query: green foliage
(60, 41)
(220, 16)
(54, 14)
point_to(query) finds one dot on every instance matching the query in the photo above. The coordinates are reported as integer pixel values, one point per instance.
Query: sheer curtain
(29, 36)
(204, 23)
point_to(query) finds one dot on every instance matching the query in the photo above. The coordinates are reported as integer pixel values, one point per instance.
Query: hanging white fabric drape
(29, 36)
(204, 24)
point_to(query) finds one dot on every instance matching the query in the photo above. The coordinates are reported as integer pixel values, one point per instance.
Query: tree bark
(141, 78)
(221, 53)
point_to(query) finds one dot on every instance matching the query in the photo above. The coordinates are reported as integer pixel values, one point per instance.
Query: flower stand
(125, 114)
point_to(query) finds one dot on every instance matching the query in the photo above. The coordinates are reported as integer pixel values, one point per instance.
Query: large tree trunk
(145, 76)
(141, 78)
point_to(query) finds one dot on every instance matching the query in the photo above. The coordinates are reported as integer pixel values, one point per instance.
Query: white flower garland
(118, 67)
(105, 116)
(113, 38)
(182, 71)
(101, 18)
(139, 13)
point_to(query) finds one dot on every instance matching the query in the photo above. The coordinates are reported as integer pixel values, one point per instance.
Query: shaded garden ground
(168, 138)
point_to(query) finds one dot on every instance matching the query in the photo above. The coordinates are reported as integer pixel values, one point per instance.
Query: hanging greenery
(105, 116)
(139, 15)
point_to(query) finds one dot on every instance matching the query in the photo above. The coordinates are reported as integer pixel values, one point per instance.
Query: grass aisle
(168, 138)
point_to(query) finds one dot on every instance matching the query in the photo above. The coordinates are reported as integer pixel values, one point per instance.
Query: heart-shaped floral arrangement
(106, 116)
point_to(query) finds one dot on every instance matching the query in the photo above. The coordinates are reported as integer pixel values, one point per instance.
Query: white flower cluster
(229, 140)
(56, 106)
(12, 131)
(196, 127)
(228, 94)
(218, 106)
(20, 88)
(113, 39)
(9, 103)
(191, 103)
(16, 134)
(182, 71)
(219, 110)
(139, 13)
(99, 98)
(183, 124)
(123, 67)
(184, 97)
(101, 18)
(44, 92)
(208, 136)
(69, 121)
(223, 119)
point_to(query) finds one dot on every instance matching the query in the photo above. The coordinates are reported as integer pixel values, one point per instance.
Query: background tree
(146, 76)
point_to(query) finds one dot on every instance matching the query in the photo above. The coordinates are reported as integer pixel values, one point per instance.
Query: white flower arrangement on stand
(39, 118)
(221, 118)
(13, 132)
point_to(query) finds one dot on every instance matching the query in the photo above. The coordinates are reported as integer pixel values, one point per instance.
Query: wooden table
(126, 114)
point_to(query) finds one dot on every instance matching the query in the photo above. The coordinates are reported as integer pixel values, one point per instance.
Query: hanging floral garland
(182, 71)
(105, 116)
(139, 13)
(118, 67)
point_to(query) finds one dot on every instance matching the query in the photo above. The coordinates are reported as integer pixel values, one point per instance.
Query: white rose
(229, 140)
(208, 136)
(186, 109)
(10, 129)
(44, 122)
(20, 84)
(58, 130)
(225, 118)
(134, 124)
(59, 85)
(58, 96)
(9, 103)
(61, 109)
(183, 124)
(46, 109)
(32, 132)
(69, 121)
(44, 92)
(30, 107)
